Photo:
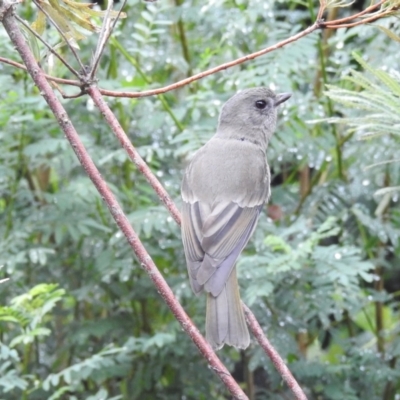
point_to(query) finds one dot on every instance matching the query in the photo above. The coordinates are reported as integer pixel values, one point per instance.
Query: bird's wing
(213, 239)
(226, 232)
(192, 235)
(219, 213)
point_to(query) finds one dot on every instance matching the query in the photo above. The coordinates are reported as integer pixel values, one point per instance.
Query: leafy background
(80, 319)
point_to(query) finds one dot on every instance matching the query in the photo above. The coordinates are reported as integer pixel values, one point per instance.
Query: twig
(12, 63)
(61, 33)
(133, 154)
(120, 218)
(332, 24)
(48, 77)
(104, 37)
(211, 71)
(335, 24)
(360, 14)
(50, 48)
(273, 354)
(342, 23)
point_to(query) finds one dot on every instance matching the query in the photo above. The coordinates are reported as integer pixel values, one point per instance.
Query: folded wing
(213, 238)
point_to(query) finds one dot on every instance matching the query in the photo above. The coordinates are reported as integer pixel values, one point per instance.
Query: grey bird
(224, 190)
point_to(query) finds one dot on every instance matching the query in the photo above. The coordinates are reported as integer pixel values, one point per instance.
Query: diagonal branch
(133, 154)
(273, 354)
(61, 33)
(49, 47)
(105, 33)
(120, 218)
(48, 77)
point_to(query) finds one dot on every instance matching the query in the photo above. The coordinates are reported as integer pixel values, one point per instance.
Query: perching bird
(224, 190)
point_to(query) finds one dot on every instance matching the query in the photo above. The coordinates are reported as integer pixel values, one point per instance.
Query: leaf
(39, 25)
(388, 32)
(386, 190)
(66, 14)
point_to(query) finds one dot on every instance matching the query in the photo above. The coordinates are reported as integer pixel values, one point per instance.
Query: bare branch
(104, 36)
(335, 24)
(367, 20)
(133, 154)
(13, 63)
(49, 47)
(61, 33)
(48, 77)
(214, 70)
(364, 17)
(273, 354)
(360, 14)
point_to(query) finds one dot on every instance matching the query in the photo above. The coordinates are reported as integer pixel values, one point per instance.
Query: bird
(224, 189)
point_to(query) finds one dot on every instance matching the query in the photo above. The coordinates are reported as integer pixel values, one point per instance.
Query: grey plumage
(224, 190)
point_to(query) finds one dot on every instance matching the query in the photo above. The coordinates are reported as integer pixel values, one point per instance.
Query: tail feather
(225, 322)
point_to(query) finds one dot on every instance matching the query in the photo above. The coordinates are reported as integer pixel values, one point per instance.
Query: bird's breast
(228, 170)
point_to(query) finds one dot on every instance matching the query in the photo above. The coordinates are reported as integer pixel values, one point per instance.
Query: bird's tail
(225, 322)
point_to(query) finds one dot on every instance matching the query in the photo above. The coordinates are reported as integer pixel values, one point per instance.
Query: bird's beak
(281, 98)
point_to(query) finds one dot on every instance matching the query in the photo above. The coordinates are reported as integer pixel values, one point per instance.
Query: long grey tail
(225, 322)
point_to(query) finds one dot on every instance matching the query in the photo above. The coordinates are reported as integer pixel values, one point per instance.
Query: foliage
(80, 319)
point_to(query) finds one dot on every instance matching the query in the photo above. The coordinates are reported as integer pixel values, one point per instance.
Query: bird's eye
(261, 104)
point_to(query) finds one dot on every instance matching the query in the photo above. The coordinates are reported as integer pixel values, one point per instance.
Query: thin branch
(12, 63)
(104, 37)
(133, 154)
(321, 10)
(273, 354)
(102, 40)
(120, 218)
(381, 13)
(50, 48)
(375, 17)
(360, 14)
(212, 71)
(336, 24)
(48, 77)
(61, 33)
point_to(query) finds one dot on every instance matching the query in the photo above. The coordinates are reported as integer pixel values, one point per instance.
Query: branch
(105, 33)
(49, 47)
(133, 154)
(60, 31)
(319, 24)
(10, 25)
(211, 71)
(363, 16)
(48, 77)
(273, 354)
